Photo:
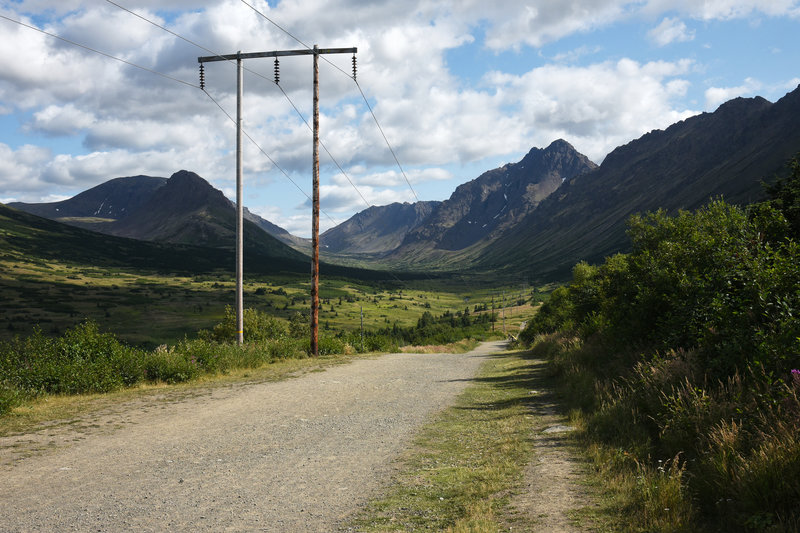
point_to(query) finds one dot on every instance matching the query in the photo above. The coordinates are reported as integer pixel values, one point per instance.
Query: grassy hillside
(55, 276)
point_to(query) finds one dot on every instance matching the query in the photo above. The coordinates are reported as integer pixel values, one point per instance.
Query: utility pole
(492, 315)
(504, 312)
(239, 56)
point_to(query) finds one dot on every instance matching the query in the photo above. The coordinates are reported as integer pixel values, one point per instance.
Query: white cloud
(134, 122)
(671, 30)
(718, 95)
(61, 120)
(597, 107)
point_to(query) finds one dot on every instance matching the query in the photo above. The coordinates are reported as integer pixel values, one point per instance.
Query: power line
(216, 54)
(325, 148)
(386, 140)
(265, 154)
(89, 48)
(166, 76)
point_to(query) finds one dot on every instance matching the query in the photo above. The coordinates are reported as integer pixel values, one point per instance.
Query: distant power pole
(492, 315)
(315, 177)
(504, 312)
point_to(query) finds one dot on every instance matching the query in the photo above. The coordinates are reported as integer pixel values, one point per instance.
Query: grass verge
(462, 468)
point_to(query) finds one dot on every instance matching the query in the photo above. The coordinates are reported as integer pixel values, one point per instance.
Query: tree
(785, 197)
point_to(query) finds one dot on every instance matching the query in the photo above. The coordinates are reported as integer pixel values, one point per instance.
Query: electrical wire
(372, 112)
(385, 139)
(233, 120)
(171, 78)
(89, 48)
(325, 147)
(216, 54)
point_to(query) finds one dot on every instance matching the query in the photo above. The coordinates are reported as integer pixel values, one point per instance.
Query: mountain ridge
(726, 153)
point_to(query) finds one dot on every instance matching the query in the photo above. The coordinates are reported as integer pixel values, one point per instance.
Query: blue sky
(459, 87)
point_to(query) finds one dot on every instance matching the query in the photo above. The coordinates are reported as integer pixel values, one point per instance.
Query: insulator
(354, 66)
(202, 77)
(277, 71)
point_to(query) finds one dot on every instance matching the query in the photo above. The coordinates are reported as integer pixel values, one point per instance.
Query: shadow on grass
(536, 387)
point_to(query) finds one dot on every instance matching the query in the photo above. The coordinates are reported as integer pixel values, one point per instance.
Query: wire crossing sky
(458, 88)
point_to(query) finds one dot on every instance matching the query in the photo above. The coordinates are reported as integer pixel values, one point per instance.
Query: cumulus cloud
(718, 95)
(671, 30)
(130, 121)
(599, 106)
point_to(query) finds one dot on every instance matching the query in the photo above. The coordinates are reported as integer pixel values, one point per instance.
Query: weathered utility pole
(239, 56)
(315, 215)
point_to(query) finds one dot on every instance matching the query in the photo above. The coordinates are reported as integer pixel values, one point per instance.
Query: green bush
(258, 327)
(82, 360)
(170, 366)
(330, 345)
(686, 346)
(10, 397)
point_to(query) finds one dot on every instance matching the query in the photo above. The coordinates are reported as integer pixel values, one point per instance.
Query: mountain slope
(27, 238)
(113, 199)
(376, 230)
(188, 210)
(104, 208)
(726, 153)
(496, 201)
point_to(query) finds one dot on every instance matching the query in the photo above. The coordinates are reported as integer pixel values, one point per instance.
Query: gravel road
(297, 455)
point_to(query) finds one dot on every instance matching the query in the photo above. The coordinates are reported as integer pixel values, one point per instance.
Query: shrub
(10, 397)
(685, 349)
(258, 327)
(82, 360)
(170, 366)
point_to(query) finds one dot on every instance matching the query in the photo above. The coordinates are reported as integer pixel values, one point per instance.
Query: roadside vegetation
(86, 360)
(681, 363)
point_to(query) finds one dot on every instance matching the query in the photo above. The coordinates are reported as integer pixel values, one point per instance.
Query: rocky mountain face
(725, 154)
(477, 211)
(497, 200)
(377, 230)
(298, 243)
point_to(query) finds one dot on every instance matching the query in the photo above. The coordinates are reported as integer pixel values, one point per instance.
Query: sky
(445, 91)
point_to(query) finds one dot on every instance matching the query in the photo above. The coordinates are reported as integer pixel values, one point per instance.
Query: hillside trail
(297, 455)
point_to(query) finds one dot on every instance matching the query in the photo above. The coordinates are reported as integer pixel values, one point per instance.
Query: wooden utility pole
(315, 216)
(239, 209)
(239, 56)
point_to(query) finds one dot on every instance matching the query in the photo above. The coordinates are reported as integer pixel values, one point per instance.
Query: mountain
(107, 207)
(726, 154)
(298, 243)
(184, 209)
(476, 212)
(27, 238)
(376, 230)
(497, 200)
(33, 238)
(113, 200)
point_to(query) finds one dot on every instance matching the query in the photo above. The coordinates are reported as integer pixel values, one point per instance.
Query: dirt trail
(552, 485)
(297, 455)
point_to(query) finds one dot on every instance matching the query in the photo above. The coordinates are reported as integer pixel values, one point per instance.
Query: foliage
(85, 360)
(258, 326)
(82, 360)
(686, 357)
(785, 197)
